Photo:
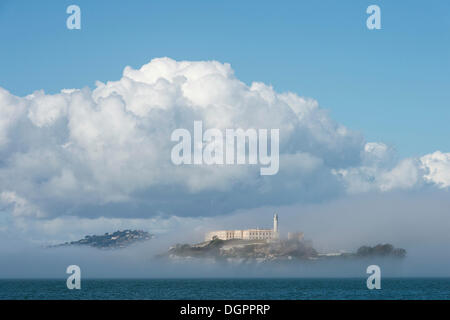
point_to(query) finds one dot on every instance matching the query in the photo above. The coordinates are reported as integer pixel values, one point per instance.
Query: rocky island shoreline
(261, 251)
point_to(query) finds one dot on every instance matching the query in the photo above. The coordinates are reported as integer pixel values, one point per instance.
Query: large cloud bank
(106, 152)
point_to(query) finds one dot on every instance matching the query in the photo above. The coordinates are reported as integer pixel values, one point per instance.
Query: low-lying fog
(419, 223)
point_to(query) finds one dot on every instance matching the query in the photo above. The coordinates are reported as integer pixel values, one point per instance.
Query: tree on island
(381, 250)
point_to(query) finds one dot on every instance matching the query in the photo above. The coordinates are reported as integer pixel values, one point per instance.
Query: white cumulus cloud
(437, 165)
(106, 152)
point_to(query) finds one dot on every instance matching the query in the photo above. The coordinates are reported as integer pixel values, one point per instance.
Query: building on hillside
(248, 234)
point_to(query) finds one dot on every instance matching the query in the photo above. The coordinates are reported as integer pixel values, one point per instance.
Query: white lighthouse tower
(275, 226)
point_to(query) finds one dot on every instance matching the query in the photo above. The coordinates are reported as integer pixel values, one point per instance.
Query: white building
(248, 234)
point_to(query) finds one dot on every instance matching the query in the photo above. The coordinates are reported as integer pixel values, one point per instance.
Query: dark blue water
(403, 288)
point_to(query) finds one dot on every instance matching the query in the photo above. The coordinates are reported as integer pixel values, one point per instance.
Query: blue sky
(391, 84)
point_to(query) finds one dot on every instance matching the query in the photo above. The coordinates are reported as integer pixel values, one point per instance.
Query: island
(266, 245)
(116, 240)
(260, 251)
